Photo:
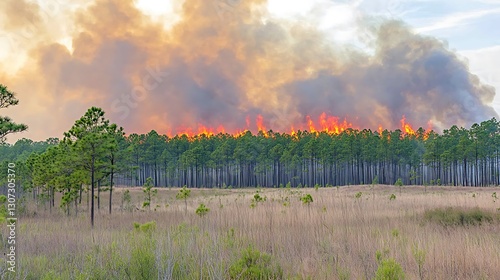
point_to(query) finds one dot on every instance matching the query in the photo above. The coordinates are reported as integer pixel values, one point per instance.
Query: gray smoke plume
(224, 62)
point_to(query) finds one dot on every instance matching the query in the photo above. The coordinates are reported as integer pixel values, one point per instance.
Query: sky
(61, 57)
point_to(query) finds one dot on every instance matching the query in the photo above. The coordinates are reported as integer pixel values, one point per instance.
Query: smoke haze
(225, 61)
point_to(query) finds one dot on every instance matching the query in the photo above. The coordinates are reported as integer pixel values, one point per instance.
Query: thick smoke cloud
(220, 64)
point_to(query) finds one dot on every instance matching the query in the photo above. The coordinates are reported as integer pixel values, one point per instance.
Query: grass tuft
(453, 216)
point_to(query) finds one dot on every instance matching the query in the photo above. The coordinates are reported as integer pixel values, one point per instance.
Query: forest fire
(282, 70)
(201, 131)
(406, 128)
(325, 124)
(260, 126)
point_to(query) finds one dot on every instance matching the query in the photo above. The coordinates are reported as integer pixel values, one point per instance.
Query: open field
(337, 236)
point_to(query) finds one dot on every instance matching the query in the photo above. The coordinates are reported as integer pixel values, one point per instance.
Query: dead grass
(337, 234)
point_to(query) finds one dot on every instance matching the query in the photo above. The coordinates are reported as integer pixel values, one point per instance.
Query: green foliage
(395, 233)
(84, 152)
(184, 194)
(451, 216)
(306, 199)
(7, 126)
(316, 187)
(149, 193)
(254, 265)
(399, 183)
(202, 210)
(148, 227)
(358, 195)
(258, 198)
(94, 146)
(392, 197)
(3, 209)
(286, 201)
(389, 269)
(143, 260)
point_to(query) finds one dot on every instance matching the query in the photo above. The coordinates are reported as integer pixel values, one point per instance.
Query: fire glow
(324, 124)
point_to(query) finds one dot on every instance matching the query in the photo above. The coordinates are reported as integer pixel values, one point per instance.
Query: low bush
(254, 265)
(451, 216)
(389, 269)
(146, 227)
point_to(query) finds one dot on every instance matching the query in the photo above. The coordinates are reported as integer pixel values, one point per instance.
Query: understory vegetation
(451, 216)
(287, 233)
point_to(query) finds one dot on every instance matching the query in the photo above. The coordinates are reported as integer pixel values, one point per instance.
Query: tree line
(94, 156)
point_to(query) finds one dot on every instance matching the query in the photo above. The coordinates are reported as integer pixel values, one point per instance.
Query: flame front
(260, 125)
(325, 124)
(406, 128)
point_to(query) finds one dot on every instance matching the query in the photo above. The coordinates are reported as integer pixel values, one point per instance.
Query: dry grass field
(337, 236)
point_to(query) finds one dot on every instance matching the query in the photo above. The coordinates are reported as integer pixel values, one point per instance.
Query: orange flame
(239, 134)
(261, 127)
(325, 124)
(310, 123)
(406, 128)
(293, 133)
(328, 124)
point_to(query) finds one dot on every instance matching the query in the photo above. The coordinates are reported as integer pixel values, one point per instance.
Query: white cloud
(457, 19)
(484, 63)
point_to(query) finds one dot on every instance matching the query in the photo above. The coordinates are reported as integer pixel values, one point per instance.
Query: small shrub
(148, 192)
(148, 227)
(255, 265)
(392, 197)
(359, 194)
(286, 201)
(399, 183)
(306, 199)
(183, 194)
(258, 198)
(142, 261)
(460, 217)
(389, 269)
(202, 210)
